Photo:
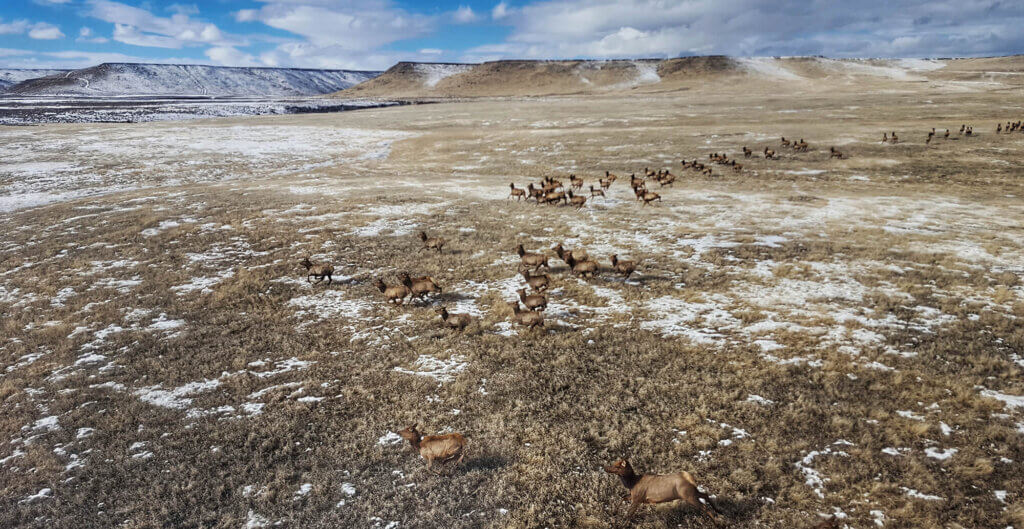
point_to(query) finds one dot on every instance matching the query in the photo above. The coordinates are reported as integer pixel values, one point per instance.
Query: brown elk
(535, 260)
(747, 152)
(533, 301)
(785, 142)
(893, 138)
(431, 243)
(581, 268)
(801, 145)
(578, 201)
(578, 254)
(554, 197)
(440, 448)
(610, 177)
(769, 154)
(420, 286)
(317, 270)
(534, 192)
(625, 268)
(538, 283)
(652, 488)
(526, 318)
(395, 294)
(519, 194)
(946, 135)
(596, 192)
(455, 321)
(833, 153)
(576, 183)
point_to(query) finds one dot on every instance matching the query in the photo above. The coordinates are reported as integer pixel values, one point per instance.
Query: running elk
(440, 448)
(652, 488)
(534, 260)
(431, 243)
(519, 194)
(420, 286)
(317, 270)
(395, 294)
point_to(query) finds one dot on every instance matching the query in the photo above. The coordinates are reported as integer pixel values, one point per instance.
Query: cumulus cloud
(14, 27)
(629, 28)
(139, 27)
(228, 56)
(44, 31)
(500, 11)
(85, 34)
(464, 15)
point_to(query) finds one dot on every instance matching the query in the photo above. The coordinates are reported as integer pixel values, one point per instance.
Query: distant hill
(540, 78)
(122, 79)
(12, 76)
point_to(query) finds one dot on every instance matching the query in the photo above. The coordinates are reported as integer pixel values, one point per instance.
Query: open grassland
(807, 337)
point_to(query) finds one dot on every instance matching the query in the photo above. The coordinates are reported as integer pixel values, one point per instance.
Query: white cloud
(13, 28)
(85, 34)
(431, 51)
(500, 11)
(139, 27)
(464, 15)
(74, 59)
(44, 31)
(228, 56)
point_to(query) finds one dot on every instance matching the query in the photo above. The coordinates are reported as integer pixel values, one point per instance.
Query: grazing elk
(533, 301)
(440, 448)
(420, 286)
(529, 259)
(527, 318)
(652, 488)
(317, 270)
(624, 268)
(455, 321)
(519, 194)
(431, 243)
(395, 294)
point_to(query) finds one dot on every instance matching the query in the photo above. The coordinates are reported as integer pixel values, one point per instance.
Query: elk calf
(652, 488)
(440, 448)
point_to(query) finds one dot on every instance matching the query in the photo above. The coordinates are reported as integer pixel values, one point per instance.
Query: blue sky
(374, 34)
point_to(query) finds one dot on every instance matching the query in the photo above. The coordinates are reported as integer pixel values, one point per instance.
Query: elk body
(526, 318)
(596, 192)
(395, 294)
(649, 196)
(578, 254)
(519, 194)
(455, 321)
(533, 301)
(625, 268)
(581, 268)
(769, 154)
(538, 283)
(420, 286)
(431, 243)
(833, 153)
(532, 260)
(578, 201)
(319, 271)
(440, 448)
(652, 488)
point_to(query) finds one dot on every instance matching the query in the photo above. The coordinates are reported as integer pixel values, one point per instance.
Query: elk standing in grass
(769, 154)
(579, 254)
(526, 318)
(581, 268)
(625, 268)
(596, 192)
(747, 152)
(534, 260)
(533, 301)
(431, 243)
(455, 321)
(652, 488)
(538, 283)
(440, 448)
(649, 196)
(578, 201)
(420, 286)
(519, 194)
(833, 153)
(317, 270)
(575, 183)
(395, 294)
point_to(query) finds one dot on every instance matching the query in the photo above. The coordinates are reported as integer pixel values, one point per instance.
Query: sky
(375, 34)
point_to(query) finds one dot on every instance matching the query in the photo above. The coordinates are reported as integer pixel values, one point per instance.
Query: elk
(946, 135)
(610, 177)
(395, 294)
(455, 321)
(737, 167)
(894, 138)
(553, 197)
(747, 152)
(578, 201)
(533, 301)
(605, 183)
(535, 260)
(319, 271)
(431, 243)
(534, 192)
(576, 183)
(635, 181)
(625, 268)
(801, 145)
(999, 128)
(596, 192)
(538, 283)
(420, 286)
(769, 154)
(519, 194)
(565, 255)
(649, 196)
(885, 137)
(440, 448)
(785, 142)
(653, 488)
(526, 318)
(833, 153)
(586, 269)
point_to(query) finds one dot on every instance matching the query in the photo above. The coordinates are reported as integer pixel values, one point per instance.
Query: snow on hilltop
(118, 79)
(13, 76)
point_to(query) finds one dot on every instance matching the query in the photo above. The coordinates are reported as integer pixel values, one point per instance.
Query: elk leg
(329, 279)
